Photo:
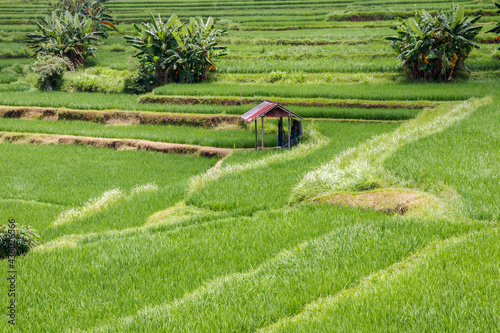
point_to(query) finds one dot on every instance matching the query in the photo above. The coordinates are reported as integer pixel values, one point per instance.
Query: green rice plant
(454, 281)
(79, 176)
(5, 63)
(320, 266)
(407, 91)
(10, 54)
(435, 48)
(159, 253)
(96, 79)
(6, 78)
(227, 188)
(313, 141)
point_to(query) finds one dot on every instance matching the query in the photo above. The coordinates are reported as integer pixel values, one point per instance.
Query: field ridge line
(370, 282)
(100, 204)
(33, 202)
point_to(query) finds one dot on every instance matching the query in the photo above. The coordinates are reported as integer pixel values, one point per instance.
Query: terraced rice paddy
(208, 234)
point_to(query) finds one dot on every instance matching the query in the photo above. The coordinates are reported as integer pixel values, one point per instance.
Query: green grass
(362, 242)
(231, 138)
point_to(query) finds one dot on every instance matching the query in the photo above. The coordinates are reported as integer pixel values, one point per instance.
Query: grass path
(360, 168)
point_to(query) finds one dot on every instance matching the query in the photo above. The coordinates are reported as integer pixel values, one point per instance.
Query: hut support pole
(289, 124)
(262, 130)
(256, 133)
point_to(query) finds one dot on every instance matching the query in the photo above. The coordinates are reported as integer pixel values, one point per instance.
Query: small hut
(269, 109)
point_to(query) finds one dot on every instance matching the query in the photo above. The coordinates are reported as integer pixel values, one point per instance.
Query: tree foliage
(177, 51)
(496, 29)
(435, 47)
(72, 31)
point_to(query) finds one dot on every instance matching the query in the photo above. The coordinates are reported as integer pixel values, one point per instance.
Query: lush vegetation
(51, 70)
(384, 217)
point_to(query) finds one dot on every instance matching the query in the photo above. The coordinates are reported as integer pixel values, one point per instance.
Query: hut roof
(269, 109)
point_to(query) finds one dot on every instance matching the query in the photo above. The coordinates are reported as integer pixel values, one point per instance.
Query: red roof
(268, 109)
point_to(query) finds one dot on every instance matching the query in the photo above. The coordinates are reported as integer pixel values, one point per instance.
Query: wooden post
(280, 132)
(289, 124)
(262, 130)
(255, 133)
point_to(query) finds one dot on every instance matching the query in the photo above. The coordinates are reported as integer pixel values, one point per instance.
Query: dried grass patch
(391, 201)
(231, 101)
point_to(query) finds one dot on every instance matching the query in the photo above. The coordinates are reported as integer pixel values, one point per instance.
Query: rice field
(383, 218)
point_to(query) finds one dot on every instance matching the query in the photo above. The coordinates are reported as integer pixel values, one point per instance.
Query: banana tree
(65, 35)
(176, 51)
(93, 9)
(435, 47)
(496, 29)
